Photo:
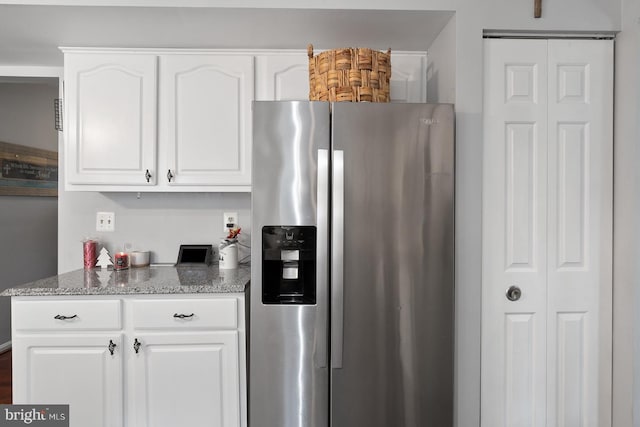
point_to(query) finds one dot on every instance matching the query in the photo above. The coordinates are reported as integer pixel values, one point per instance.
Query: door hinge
(57, 106)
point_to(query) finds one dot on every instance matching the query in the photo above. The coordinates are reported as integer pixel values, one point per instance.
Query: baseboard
(5, 347)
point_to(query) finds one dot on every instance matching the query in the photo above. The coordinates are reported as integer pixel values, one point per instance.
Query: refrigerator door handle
(337, 261)
(321, 348)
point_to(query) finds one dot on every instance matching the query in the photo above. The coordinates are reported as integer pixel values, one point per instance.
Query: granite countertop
(156, 279)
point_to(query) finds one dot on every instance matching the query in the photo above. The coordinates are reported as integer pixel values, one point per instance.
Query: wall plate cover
(105, 221)
(229, 220)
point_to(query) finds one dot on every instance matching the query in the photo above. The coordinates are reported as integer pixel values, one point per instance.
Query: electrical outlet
(105, 221)
(229, 220)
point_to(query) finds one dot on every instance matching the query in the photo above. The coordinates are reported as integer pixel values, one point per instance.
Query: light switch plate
(229, 220)
(105, 221)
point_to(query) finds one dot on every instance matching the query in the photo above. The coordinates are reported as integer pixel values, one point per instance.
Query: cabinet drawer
(67, 315)
(185, 313)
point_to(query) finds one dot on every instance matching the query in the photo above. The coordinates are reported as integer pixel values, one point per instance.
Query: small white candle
(139, 258)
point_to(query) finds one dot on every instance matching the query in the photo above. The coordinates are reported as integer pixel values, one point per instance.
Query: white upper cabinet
(151, 120)
(205, 119)
(158, 120)
(284, 75)
(111, 118)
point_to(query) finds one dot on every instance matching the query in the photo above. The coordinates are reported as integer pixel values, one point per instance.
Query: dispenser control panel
(288, 264)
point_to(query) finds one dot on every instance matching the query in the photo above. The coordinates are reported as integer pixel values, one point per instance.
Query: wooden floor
(5, 377)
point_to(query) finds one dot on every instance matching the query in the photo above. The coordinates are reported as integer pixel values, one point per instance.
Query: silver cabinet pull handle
(183, 316)
(514, 293)
(136, 345)
(111, 347)
(169, 175)
(62, 317)
(147, 175)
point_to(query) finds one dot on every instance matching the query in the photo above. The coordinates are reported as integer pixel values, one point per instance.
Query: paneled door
(282, 77)
(547, 233)
(205, 111)
(185, 379)
(110, 135)
(82, 370)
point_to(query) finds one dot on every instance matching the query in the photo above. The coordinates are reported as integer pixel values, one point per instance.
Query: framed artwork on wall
(26, 171)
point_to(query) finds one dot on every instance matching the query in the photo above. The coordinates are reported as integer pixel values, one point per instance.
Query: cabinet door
(408, 77)
(78, 370)
(185, 379)
(282, 77)
(110, 132)
(205, 110)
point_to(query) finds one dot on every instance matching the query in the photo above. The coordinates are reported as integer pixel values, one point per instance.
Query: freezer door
(288, 344)
(392, 265)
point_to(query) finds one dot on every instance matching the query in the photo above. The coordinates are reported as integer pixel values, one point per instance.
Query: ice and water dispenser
(289, 265)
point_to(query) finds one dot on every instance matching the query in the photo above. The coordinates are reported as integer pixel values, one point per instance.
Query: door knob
(514, 293)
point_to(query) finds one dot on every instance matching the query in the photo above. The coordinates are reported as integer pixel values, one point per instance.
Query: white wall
(28, 224)
(441, 66)
(626, 303)
(472, 17)
(158, 222)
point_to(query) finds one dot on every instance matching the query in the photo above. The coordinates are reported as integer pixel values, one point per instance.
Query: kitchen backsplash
(158, 222)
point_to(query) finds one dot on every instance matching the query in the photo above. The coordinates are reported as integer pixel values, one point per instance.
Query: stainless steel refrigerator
(352, 280)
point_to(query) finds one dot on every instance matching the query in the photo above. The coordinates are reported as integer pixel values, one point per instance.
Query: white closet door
(515, 226)
(547, 230)
(579, 326)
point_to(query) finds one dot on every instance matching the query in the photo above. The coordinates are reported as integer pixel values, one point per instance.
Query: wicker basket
(349, 74)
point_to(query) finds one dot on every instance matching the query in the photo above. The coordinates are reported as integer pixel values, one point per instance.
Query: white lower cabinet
(77, 369)
(173, 361)
(185, 379)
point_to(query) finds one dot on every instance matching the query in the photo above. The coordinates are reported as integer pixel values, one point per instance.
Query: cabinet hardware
(170, 175)
(57, 108)
(147, 175)
(112, 347)
(136, 345)
(182, 316)
(62, 317)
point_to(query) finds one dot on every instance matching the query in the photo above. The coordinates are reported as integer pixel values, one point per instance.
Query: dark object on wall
(26, 171)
